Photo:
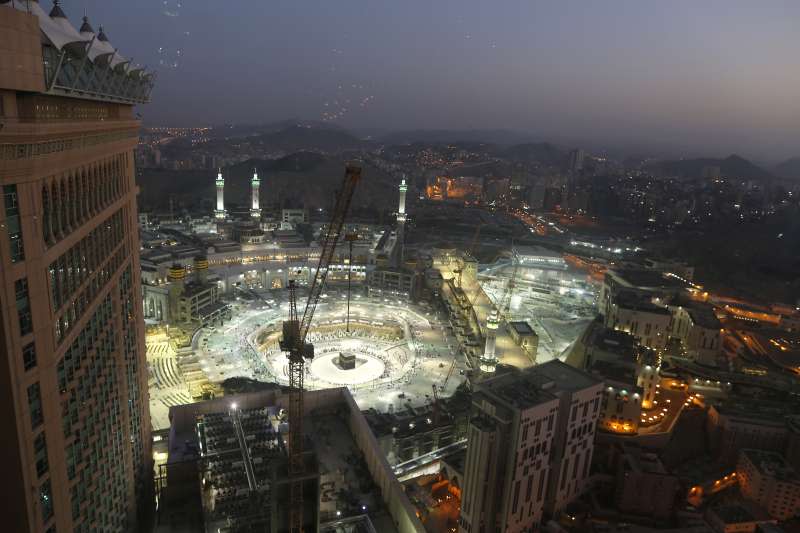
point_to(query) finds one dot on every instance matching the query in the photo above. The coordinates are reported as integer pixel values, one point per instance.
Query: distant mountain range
(732, 166)
(789, 169)
(294, 135)
(503, 137)
(303, 178)
(249, 130)
(544, 153)
(296, 138)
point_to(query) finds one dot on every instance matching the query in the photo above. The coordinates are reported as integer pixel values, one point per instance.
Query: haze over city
(355, 266)
(677, 78)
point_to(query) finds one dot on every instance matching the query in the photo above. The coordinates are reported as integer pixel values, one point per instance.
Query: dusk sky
(719, 76)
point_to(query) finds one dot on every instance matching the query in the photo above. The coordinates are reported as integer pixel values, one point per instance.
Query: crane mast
(294, 342)
(488, 362)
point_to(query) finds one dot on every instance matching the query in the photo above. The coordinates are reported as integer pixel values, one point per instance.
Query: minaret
(488, 362)
(220, 211)
(401, 223)
(401, 211)
(255, 211)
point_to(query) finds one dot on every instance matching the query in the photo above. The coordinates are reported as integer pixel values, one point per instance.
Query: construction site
(401, 334)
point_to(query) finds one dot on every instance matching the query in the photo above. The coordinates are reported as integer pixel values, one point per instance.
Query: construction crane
(488, 362)
(449, 374)
(505, 303)
(294, 342)
(350, 238)
(470, 250)
(435, 404)
(443, 387)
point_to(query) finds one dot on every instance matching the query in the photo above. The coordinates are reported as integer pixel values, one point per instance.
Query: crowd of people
(403, 344)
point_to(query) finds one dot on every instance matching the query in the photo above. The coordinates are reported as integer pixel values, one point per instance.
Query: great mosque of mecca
(417, 321)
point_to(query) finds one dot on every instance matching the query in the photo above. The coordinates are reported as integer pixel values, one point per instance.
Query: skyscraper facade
(76, 443)
(530, 445)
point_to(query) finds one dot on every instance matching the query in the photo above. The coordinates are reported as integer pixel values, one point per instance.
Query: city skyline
(554, 303)
(715, 77)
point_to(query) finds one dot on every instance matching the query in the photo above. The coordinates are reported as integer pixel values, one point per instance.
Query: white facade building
(530, 447)
(536, 256)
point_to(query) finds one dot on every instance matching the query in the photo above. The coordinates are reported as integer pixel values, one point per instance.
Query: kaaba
(347, 361)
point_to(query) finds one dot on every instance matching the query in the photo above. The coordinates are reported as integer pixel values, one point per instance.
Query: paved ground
(421, 357)
(558, 304)
(167, 384)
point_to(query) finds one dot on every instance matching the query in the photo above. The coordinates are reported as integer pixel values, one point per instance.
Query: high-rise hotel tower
(76, 445)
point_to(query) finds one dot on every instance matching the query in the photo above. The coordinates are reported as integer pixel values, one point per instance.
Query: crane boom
(294, 342)
(504, 304)
(488, 362)
(352, 176)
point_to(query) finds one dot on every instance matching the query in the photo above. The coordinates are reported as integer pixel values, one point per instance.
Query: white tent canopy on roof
(57, 30)
(116, 59)
(127, 81)
(57, 15)
(98, 48)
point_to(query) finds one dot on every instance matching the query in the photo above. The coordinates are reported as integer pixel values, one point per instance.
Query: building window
(35, 405)
(13, 223)
(29, 356)
(540, 491)
(23, 306)
(46, 501)
(40, 453)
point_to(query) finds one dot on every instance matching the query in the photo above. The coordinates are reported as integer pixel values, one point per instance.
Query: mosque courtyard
(401, 351)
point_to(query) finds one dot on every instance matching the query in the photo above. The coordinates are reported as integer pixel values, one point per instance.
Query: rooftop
(619, 373)
(771, 464)
(522, 328)
(638, 303)
(537, 251)
(616, 342)
(703, 315)
(536, 385)
(638, 460)
(84, 64)
(646, 279)
(762, 412)
(516, 390)
(733, 514)
(563, 376)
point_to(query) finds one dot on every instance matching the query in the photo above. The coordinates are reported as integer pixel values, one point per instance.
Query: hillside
(544, 153)
(756, 260)
(233, 131)
(295, 138)
(789, 169)
(303, 178)
(505, 137)
(732, 166)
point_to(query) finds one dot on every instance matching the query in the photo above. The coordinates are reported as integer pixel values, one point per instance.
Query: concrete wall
(404, 514)
(392, 492)
(20, 51)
